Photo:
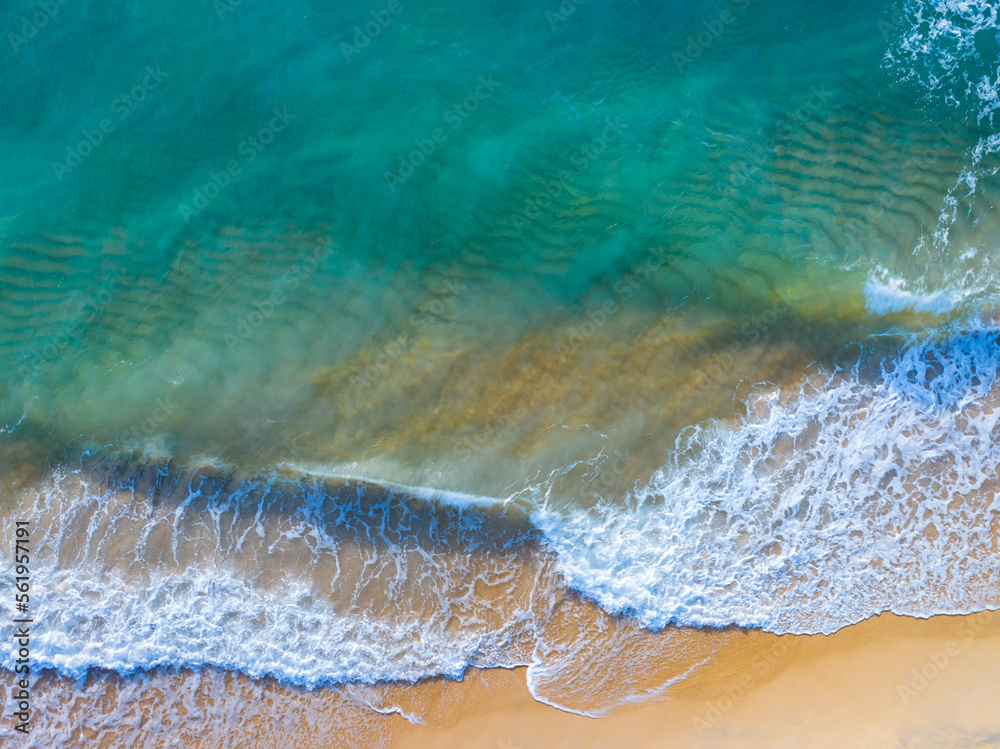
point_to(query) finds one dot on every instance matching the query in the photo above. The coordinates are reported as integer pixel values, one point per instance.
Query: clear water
(677, 282)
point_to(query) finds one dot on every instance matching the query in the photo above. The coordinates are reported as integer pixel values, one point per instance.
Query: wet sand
(888, 682)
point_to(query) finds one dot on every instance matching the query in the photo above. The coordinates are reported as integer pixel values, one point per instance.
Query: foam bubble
(270, 577)
(871, 489)
(940, 50)
(884, 297)
(863, 494)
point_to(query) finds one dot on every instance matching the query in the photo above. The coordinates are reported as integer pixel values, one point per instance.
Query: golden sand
(888, 682)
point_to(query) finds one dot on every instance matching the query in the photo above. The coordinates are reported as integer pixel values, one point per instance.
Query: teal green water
(488, 233)
(651, 323)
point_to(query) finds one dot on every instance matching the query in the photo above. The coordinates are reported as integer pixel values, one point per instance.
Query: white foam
(889, 295)
(938, 50)
(868, 491)
(609, 708)
(214, 619)
(427, 493)
(177, 710)
(8, 429)
(266, 582)
(861, 495)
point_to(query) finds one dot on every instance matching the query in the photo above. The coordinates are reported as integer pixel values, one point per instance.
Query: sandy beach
(887, 682)
(492, 375)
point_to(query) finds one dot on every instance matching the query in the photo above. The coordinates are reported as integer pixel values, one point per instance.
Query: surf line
(22, 626)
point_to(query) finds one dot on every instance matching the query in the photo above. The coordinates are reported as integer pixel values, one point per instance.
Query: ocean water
(348, 344)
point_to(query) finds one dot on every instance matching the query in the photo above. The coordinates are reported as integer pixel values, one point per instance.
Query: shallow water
(380, 335)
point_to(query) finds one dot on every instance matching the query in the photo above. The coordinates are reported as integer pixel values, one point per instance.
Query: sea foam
(889, 295)
(870, 488)
(941, 49)
(270, 577)
(867, 492)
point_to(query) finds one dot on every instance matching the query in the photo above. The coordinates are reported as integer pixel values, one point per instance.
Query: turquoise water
(755, 171)
(571, 258)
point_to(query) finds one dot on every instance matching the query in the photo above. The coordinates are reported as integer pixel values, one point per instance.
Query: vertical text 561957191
(22, 627)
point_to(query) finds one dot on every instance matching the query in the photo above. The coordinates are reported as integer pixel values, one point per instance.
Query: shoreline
(887, 681)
